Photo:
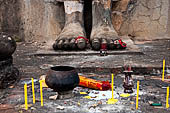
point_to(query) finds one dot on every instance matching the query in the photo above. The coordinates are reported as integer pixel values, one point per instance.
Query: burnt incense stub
(62, 79)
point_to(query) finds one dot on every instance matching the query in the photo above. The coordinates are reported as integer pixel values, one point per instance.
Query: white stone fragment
(9, 38)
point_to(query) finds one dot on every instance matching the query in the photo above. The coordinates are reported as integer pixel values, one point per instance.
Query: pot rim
(62, 68)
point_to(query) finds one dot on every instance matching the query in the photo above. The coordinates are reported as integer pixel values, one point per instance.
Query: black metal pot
(62, 78)
(7, 46)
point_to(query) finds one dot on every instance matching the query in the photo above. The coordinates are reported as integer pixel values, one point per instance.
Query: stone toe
(55, 46)
(81, 44)
(111, 44)
(60, 44)
(66, 44)
(95, 43)
(73, 44)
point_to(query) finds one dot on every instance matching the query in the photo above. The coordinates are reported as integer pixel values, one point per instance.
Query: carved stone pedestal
(8, 73)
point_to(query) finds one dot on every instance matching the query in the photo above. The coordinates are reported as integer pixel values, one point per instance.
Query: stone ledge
(87, 52)
(131, 49)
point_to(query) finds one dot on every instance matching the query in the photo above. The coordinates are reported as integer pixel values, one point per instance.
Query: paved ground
(144, 65)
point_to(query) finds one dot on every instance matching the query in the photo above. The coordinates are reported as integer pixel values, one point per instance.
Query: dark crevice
(88, 17)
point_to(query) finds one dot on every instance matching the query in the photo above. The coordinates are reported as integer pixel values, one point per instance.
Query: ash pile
(8, 73)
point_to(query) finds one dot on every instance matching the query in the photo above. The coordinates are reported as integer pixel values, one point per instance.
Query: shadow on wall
(88, 17)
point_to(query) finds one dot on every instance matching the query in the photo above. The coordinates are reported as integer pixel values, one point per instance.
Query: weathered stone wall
(10, 18)
(42, 20)
(143, 19)
(31, 19)
(168, 31)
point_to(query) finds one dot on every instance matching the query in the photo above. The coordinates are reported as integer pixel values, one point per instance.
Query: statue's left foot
(103, 34)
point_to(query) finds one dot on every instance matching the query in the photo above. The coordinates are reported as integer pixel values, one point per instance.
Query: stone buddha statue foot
(73, 35)
(102, 28)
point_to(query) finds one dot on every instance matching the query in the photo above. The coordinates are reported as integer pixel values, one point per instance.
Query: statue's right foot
(72, 36)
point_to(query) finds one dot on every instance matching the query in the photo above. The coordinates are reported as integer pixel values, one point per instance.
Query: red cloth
(122, 43)
(80, 37)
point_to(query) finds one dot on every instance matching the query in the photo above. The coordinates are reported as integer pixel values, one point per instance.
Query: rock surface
(142, 18)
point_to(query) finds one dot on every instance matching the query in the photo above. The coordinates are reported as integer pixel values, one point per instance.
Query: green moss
(17, 39)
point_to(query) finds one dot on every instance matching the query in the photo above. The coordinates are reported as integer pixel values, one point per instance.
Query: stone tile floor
(150, 63)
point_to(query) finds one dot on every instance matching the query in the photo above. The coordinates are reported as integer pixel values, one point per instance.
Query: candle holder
(128, 81)
(103, 50)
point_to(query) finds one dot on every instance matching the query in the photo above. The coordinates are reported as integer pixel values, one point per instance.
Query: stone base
(130, 90)
(6, 62)
(8, 73)
(65, 95)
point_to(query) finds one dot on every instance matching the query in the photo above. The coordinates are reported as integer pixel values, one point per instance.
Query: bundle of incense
(94, 84)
